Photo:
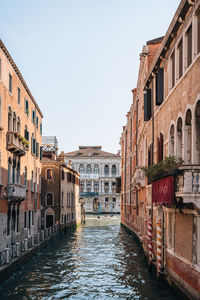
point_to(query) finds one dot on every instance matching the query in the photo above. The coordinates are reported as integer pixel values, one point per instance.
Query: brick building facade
(164, 122)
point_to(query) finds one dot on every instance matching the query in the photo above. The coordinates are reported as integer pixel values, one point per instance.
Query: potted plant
(164, 168)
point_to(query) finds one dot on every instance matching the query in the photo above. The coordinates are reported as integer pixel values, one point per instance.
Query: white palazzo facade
(98, 172)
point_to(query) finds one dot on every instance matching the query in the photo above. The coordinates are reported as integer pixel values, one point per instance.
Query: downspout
(136, 152)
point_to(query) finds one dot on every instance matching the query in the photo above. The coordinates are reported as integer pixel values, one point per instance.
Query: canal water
(98, 261)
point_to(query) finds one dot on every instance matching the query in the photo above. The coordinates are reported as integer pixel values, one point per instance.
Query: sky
(80, 59)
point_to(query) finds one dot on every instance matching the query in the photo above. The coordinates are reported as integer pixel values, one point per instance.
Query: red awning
(163, 191)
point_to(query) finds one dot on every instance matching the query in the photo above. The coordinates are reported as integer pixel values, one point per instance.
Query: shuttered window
(189, 46)
(198, 31)
(147, 105)
(10, 83)
(160, 86)
(180, 59)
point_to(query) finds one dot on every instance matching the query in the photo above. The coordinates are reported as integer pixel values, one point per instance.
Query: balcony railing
(138, 180)
(188, 184)
(16, 191)
(15, 143)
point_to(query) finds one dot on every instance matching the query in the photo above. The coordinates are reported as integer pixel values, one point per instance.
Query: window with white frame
(81, 169)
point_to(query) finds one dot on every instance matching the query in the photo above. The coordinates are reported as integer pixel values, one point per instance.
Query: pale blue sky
(80, 59)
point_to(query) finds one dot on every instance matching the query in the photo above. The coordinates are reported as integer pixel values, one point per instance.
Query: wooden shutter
(158, 149)
(148, 104)
(160, 86)
(161, 146)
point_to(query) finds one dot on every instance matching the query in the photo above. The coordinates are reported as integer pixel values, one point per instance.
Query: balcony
(188, 184)
(138, 180)
(15, 143)
(16, 192)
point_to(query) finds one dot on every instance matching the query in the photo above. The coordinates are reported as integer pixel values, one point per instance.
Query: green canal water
(97, 261)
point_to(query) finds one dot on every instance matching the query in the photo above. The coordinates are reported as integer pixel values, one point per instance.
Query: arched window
(49, 199)
(88, 169)
(106, 187)
(114, 170)
(179, 138)
(9, 119)
(49, 174)
(188, 137)
(18, 125)
(106, 170)
(96, 169)
(14, 122)
(81, 169)
(171, 141)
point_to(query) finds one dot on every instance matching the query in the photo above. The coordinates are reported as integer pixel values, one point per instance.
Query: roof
(91, 151)
(58, 164)
(9, 57)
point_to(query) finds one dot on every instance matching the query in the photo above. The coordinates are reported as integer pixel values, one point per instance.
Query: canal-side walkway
(98, 261)
(11, 259)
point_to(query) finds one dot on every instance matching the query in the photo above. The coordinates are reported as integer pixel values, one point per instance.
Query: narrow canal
(98, 261)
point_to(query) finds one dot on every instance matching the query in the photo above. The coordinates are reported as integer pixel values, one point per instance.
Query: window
(9, 170)
(49, 174)
(40, 128)
(37, 122)
(180, 59)
(26, 107)
(62, 198)
(114, 199)
(172, 69)
(160, 144)
(114, 187)
(26, 133)
(96, 169)
(96, 187)
(189, 45)
(198, 32)
(18, 172)
(106, 187)
(49, 199)
(81, 187)
(81, 169)
(63, 175)
(18, 95)
(18, 125)
(25, 219)
(106, 170)
(88, 186)
(32, 217)
(106, 199)
(10, 83)
(33, 145)
(37, 149)
(25, 176)
(160, 86)
(33, 116)
(114, 170)
(147, 104)
(88, 169)
(14, 122)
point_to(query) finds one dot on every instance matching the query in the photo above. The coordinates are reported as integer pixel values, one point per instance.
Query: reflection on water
(97, 261)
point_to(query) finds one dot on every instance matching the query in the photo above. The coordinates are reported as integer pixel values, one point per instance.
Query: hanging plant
(163, 168)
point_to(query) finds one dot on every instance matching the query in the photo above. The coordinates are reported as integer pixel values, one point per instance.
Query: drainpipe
(137, 152)
(152, 114)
